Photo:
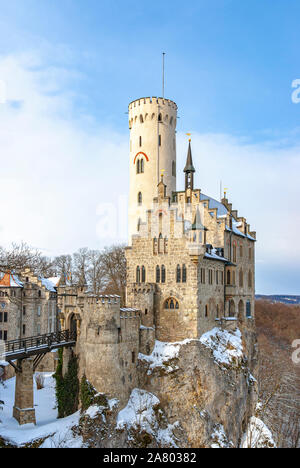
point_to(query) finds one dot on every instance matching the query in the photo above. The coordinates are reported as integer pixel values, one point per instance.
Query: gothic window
(138, 165)
(210, 277)
(233, 278)
(234, 253)
(178, 274)
(160, 244)
(163, 274)
(142, 166)
(143, 274)
(157, 274)
(160, 118)
(250, 253)
(138, 274)
(241, 279)
(248, 309)
(171, 304)
(228, 277)
(141, 119)
(202, 275)
(140, 198)
(250, 279)
(217, 277)
(174, 169)
(184, 275)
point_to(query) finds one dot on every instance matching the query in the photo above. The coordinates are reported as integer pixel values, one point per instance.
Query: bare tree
(114, 266)
(81, 263)
(19, 257)
(95, 273)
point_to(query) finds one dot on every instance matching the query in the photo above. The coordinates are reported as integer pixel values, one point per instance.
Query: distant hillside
(278, 325)
(283, 299)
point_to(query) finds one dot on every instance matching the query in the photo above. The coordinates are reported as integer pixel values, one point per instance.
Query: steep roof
(10, 280)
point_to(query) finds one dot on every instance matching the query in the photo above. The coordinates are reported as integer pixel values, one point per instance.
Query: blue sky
(71, 67)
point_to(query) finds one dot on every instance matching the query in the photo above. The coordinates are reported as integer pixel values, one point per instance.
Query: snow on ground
(226, 346)
(162, 354)
(140, 414)
(219, 438)
(58, 431)
(258, 435)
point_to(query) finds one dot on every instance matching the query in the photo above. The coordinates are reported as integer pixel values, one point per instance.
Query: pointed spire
(189, 167)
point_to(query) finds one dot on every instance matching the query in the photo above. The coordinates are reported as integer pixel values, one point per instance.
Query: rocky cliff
(195, 393)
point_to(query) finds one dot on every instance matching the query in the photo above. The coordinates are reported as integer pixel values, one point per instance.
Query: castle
(190, 263)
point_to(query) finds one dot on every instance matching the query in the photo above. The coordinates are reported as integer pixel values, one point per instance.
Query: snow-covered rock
(226, 346)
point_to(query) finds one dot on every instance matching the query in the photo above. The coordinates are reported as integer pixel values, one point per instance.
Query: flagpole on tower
(163, 77)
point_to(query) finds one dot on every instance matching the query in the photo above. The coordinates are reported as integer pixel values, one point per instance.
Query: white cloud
(58, 167)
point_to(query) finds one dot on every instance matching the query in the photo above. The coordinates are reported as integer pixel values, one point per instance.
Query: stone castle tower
(152, 123)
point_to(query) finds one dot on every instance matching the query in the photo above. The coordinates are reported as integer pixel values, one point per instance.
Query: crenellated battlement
(152, 100)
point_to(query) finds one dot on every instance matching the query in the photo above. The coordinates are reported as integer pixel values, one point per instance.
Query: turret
(189, 170)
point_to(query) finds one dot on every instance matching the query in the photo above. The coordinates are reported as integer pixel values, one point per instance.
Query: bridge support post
(24, 411)
(67, 355)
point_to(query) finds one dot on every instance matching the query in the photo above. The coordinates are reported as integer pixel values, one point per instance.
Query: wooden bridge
(37, 346)
(24, 355)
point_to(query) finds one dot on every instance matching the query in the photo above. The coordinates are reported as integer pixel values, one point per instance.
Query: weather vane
(189, 135)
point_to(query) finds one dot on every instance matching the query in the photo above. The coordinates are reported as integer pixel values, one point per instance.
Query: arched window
(250, 279)
(157, 274)
(160, 118)
(171, 304)
(138, 167)
(143, 274)
(174, 169)
(241, 279)
(184, 274)
(160, 244)
(178, 274)
(233, 278)
(140, 198)
(248, 309)
(228, 277)
(141, 119)
(142, 166)
(163, 274)
(234, 252)
(138, 274)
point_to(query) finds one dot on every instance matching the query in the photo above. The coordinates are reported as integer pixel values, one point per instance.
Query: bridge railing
(48, 340)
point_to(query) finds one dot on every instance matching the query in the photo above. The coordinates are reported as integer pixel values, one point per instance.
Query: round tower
(152, 124)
